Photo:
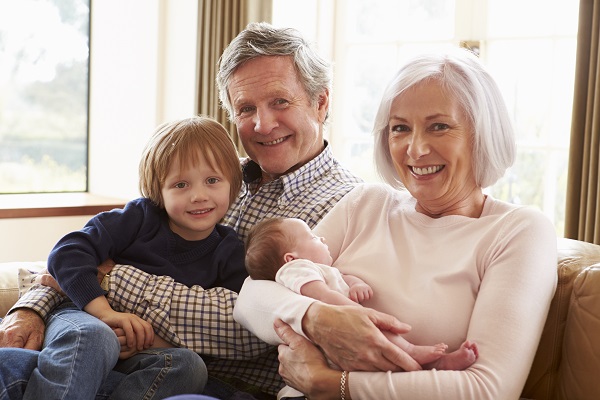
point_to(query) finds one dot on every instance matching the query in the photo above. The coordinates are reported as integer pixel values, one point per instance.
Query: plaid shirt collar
(292, 184)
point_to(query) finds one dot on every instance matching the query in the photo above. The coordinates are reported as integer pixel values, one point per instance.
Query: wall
(31, 239)
(142, 73)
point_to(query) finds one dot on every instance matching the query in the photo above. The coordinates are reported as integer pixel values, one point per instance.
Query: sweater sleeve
(260, 302)
(74, 259)
(518, 283)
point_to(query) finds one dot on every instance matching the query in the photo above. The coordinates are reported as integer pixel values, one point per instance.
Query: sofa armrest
(578, 372)
(568, 356)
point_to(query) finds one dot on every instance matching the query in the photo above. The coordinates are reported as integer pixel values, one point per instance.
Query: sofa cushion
(9, 281)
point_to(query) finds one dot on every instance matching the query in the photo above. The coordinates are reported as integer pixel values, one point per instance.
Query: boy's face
(196, 197)
(308, 246)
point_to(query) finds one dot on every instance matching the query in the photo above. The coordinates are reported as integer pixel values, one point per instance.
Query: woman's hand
(351, 337)
(304, 367)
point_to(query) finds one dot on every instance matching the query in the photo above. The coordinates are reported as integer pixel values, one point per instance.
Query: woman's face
(430, 142)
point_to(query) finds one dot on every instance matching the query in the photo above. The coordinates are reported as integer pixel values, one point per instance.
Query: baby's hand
(360, 292)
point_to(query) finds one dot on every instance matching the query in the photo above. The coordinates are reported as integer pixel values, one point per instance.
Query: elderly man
(276, 89)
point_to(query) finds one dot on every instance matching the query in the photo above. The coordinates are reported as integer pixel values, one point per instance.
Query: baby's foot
(427, 354)
(458, 360)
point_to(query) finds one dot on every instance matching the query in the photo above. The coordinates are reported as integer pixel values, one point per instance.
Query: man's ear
(289, 257)
(323, 105)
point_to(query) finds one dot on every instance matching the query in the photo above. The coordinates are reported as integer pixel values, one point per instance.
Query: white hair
(463, 76)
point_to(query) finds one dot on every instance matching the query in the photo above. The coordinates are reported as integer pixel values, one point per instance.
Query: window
(529, 47)
(44, 62)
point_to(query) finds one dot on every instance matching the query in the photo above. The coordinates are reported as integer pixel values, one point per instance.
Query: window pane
(518, 18)
(536, 74)
(415, 20)
(44, 52)
(529, 47)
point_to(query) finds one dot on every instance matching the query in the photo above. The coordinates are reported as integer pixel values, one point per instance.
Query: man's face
(281, 129)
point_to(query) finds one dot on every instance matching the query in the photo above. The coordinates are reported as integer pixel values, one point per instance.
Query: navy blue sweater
(139, 235)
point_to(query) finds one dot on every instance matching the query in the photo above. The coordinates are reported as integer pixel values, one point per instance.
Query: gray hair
(262, 39)
(463, 76)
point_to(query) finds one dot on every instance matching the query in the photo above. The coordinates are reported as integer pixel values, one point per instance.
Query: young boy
(189, 175)
(286, 251)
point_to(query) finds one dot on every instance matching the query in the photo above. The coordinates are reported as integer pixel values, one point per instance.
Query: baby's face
(308, 245)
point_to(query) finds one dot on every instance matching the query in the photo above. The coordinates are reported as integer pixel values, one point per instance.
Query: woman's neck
(471, 206)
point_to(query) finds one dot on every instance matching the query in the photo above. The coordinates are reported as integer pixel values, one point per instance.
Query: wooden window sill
(55, 204)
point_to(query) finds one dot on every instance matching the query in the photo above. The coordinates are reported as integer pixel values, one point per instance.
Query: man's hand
(22, 328)
(44, 278)
(351, 336)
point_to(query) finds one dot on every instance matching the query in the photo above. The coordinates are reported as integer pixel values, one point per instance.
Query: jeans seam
(4, 394)
(67, 390)
(160, 377)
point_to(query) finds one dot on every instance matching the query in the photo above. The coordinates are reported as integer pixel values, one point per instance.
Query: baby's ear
(287, 257)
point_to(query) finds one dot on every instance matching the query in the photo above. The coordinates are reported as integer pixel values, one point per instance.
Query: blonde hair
(266, 245)
(182, 139)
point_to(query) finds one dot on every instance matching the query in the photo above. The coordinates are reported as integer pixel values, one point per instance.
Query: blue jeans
(77, 361)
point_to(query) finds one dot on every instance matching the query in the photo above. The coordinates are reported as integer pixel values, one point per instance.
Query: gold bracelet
(343, 386)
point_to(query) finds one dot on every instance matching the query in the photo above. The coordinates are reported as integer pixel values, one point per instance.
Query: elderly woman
(454, 263)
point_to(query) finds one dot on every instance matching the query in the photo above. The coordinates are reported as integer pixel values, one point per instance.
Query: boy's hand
(360, 292)
(139, 334)
(125, 352)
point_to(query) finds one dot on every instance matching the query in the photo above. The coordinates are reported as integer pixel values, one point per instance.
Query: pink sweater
(487, 279)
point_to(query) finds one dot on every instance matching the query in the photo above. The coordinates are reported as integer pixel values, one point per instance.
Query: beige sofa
(567, 364)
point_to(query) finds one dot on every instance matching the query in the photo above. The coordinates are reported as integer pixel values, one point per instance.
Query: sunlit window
(44, 54)
(529, 46)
